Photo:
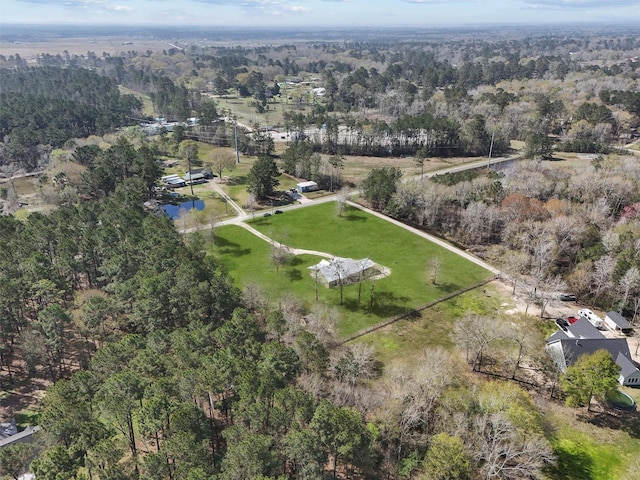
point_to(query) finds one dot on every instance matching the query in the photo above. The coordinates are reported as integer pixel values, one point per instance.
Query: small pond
(174, 210)
(620, 400)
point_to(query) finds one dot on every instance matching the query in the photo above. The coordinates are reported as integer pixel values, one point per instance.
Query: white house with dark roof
(565, 350)
(629, 373)
(583, 329)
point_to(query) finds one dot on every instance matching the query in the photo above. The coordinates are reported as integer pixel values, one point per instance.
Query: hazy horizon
(316, 13)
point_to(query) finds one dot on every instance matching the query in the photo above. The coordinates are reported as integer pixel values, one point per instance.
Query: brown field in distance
(29, 50)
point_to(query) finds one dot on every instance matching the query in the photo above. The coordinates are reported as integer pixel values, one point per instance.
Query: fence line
(414, 311)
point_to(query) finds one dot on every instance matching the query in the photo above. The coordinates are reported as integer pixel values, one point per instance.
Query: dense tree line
(49, 106)
(539, 222)
(471, 90)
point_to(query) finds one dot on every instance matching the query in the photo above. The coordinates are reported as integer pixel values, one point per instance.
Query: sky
(317, 13)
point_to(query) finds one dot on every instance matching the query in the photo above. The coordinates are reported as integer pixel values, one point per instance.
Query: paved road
(484, 162)
(20, 175)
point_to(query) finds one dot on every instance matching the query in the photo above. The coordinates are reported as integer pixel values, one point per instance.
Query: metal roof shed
(616, 322)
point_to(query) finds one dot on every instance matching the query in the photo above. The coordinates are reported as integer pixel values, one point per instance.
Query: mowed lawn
(355, 234)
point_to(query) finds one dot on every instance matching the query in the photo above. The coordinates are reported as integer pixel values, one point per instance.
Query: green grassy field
(247, 114)
(590, 452)
(432, 328)
(147, 104)
(358, 235)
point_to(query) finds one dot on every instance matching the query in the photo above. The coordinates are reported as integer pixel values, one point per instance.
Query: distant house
(168, 178)
(566, 350)
(175, 182)
(616, 322)
(204, 171)
(335, 271)
(303, 187)
(194, 178)
(9, 434)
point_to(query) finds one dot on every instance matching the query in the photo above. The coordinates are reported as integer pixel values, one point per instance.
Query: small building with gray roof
(616, 322)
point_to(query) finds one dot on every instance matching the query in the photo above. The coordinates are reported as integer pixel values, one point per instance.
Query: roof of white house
(307, 184)
(341, 268)
(583, 329)
(574, 348)
(627, 368)
(559, 335)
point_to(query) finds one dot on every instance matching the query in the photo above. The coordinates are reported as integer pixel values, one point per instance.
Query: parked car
(567, 297)
(572, 320)
(278, 212)
(562, 323)
(267, 214)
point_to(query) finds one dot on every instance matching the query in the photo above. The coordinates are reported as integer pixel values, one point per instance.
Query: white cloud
(120, 8)
(582, 3)
(298, 9)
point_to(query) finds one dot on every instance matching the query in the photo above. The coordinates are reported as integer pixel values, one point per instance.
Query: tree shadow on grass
(625, 420)
(447, 287)
(294, 274)
(239, 180)
(262, 221)
(296, 261)
(221, 242)
(385, 304)
(227, 247)
(354, 218)
(572, 463)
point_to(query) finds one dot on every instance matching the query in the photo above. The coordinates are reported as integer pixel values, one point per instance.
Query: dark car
(562, 323)
(278, 212)
(567, 297)
(267, 214)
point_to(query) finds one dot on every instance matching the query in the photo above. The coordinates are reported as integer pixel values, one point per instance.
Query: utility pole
(235, 135)
(193, 198)
(490, 149)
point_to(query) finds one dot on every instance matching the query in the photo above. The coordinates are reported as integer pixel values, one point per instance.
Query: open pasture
(355, 234)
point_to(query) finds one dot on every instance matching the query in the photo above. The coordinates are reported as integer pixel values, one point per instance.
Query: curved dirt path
(293, 251)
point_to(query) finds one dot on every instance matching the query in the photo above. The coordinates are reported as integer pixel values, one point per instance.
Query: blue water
(174, 210)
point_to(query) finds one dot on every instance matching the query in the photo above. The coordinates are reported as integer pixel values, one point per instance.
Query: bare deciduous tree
(628, 283)
(603, 268)
(434, 267)
(549, 289)
(341, 198)
(221, 161)
(280, 253)
(251, 204)
(501, 451)
(254, 297)
(476, 334)
(415, 393)
(515, 263)
(322, 322)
